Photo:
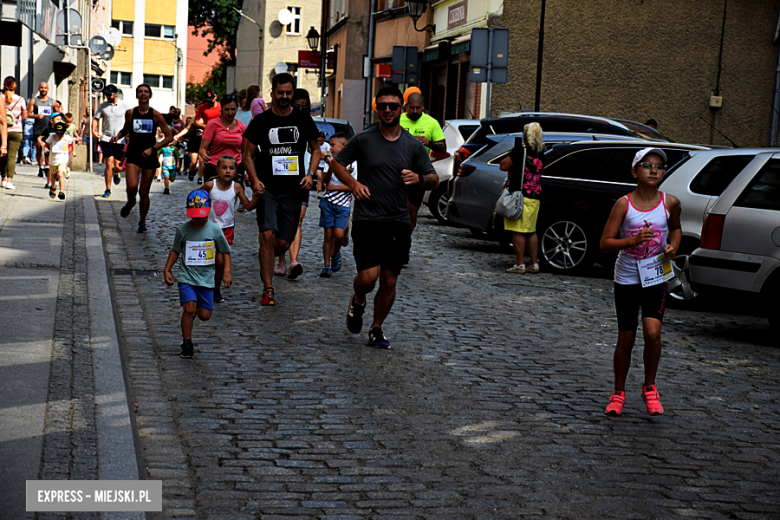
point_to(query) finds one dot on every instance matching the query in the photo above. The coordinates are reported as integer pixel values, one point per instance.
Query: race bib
(653, 271)
(59, 147)
(169, 162)
(285, 165)
(199, 253)
(45, 111)
(143, 126)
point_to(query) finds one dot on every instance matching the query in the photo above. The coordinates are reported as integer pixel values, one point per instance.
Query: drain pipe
(776, 101)
(369, 79)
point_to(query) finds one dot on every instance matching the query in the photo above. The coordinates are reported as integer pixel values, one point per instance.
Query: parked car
(740, 244)
(456, 131)
(581, 182)
(331, 126)
(699, 180)
(551, 122)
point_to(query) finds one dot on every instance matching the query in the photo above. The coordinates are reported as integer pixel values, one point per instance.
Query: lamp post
(313, 38)
(416, 8)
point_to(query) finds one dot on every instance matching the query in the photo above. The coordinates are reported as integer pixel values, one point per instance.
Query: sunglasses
(650, 166)
(384, 106)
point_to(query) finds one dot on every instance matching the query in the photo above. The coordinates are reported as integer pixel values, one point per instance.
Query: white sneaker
(3, 184)
(10, 185)
(534, 268)
(517, 269)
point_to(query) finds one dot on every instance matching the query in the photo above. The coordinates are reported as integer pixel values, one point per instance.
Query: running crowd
(276, 151)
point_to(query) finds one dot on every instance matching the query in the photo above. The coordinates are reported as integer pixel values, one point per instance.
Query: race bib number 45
(653, 271)
(199, 253)
(285, 165)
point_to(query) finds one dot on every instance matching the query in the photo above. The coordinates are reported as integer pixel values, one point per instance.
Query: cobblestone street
(490, 404)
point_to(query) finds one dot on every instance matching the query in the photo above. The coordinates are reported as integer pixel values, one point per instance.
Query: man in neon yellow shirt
(427, 130)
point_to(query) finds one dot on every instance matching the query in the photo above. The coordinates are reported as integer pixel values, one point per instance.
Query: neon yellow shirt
(425, 126)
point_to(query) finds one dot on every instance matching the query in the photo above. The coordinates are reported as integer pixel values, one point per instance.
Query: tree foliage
(216, 21)
(215, 80)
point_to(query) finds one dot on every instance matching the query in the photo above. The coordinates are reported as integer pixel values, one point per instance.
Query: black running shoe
(200, 181)
(125, 211)
(377, 339)
(191, 176)
(187, 350)
(355, 316)
(40, 172)
(218, 298)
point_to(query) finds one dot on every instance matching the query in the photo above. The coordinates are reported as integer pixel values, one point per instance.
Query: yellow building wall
(123, 10)
(159, 57)
(160, 12)
(123, 55)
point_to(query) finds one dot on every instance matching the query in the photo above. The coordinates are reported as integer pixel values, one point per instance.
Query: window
(389, 4)
(718, 174)
(125, 28)
(763, 192)
(580, 165)
(337, 11)
(295, 27)
(121, 78)
(157, 81)
(159, 31)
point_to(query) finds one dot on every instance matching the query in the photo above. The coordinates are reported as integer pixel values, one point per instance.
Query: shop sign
(384, 71)
(456, 14)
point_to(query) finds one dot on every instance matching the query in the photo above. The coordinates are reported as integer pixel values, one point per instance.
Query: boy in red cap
(197, 241)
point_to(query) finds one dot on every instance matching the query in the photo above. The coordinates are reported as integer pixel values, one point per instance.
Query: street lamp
(313, 37)
(416, 8)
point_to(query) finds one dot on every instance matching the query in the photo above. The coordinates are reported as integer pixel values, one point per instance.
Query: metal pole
(489, 69)
(539, 56)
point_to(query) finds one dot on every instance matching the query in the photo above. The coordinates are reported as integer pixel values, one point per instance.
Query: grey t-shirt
(209, 237)
(113, 118)
(380, 163)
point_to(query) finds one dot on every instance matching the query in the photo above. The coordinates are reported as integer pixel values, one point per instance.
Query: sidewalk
(65, 412)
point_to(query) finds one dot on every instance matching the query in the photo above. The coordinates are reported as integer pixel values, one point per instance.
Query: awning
(457, 46)
(462, 44)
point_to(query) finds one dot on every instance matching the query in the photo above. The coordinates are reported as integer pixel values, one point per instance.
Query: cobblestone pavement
(489, 406)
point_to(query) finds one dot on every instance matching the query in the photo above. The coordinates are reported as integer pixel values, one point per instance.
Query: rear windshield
(467, 130)
(763, 192)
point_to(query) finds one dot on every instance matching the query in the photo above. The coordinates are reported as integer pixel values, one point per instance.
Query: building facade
(153, 50)
(264, 43)
(642, 60)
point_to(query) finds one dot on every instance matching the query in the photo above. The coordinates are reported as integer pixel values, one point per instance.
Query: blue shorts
(333, 215)
(193, 293)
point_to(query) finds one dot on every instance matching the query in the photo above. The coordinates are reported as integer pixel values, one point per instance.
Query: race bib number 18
(285, 165)
(653, 271)
(199, 253)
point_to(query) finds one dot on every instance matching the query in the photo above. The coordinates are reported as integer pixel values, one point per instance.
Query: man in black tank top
(40, 108)
(141, 124)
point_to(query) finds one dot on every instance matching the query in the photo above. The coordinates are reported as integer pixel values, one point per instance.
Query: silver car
(699, 180)
(740, 244)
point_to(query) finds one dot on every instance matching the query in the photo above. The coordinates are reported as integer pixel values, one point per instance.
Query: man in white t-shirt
(112, 112)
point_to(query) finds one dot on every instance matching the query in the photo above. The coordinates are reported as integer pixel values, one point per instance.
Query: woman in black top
(141, 126)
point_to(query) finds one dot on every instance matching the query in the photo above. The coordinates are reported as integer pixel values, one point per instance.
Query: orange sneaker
(652, 400)
(268, 298)
(616, 402)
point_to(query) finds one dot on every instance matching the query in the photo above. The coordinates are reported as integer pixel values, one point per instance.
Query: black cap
(209, 95)
(60, 128)
(110, 89)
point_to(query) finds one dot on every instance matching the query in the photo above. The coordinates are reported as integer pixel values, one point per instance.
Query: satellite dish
(98, 84)
(109, 52)
(74, 21)
(98, 45)
(285, 17)
(280, 67)
(113, 36)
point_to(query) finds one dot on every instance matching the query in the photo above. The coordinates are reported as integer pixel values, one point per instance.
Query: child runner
(224, 195)
(58, 143)
(334, 210)
(169, 157)
(197, 241)
(71, 131)
(645, 219)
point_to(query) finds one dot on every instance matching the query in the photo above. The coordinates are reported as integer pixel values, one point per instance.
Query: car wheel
(437, 203)
(564, 246)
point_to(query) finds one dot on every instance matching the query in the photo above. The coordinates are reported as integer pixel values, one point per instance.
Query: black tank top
(143, 132)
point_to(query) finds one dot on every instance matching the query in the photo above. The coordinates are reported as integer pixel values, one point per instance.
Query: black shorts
(193, 144)
(210, 172)
(145, 163)
(630, 298)
(415, 195)
(280, 212)
(112, 150)
(381, 243)
(305, 198)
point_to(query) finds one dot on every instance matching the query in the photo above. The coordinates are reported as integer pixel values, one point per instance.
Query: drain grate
(133, 272)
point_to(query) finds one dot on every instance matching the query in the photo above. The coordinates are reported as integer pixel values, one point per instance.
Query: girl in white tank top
(645, 219)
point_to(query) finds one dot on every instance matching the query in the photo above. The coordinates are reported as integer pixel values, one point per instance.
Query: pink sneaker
(616, 402)
(652, 400)
(280, 269)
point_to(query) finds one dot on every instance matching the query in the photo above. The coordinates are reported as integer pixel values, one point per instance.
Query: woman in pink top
(223, 136)
(16, 108)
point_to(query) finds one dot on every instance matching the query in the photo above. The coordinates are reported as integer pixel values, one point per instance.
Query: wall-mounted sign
(311, 60)
(384, 71)
(456, 14)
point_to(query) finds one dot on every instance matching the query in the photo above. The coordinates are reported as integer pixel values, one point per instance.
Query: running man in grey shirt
(390, 160)
(112, 112)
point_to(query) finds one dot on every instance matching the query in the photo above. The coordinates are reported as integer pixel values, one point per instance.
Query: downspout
(776, 102)
(369, 79)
